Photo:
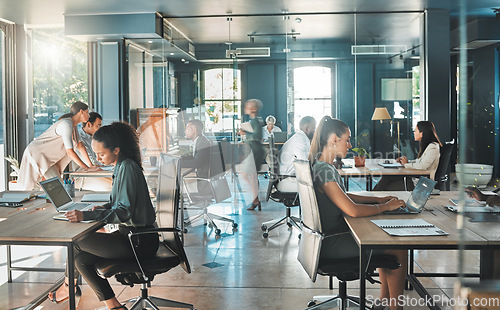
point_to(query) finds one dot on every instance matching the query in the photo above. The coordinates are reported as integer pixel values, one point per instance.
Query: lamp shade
(381, 114)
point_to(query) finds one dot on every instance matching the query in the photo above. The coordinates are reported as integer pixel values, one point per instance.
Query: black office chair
(288, 199)
(443, 169)
(171, 251)
(310, 247)
(215, 187)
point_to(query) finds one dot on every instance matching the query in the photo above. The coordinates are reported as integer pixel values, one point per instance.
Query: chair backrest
(167, 205)
(216, 163)
(307, 195)
(312, 237)
(273, 167)
(444, 162)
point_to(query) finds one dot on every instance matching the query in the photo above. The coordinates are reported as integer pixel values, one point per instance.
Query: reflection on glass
(59, 75)
(2, 102)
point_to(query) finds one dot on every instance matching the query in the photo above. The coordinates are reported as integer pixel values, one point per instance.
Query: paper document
(391, 165)
(409, 227)
(475, 209)
(96, 197)
(247, 127)
(16, 197)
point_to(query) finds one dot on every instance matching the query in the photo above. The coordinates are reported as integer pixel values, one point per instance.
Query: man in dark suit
(200, 156)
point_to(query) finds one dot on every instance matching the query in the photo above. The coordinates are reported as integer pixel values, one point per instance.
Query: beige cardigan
(428, 161)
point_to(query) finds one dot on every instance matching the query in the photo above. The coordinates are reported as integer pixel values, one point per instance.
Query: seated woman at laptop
(332, 140)
(270, 128)
(129, 205)
(427, 159)
(48, 154)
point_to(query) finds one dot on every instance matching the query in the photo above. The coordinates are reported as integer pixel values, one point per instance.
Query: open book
(14, 197)
(409, 227)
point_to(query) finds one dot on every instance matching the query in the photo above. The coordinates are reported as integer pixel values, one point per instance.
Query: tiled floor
(250, 272)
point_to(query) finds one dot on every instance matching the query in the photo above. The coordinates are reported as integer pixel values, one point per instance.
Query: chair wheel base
(235, 225)
(265, 235)
(311, 303)
(217, 232)
(263, 227)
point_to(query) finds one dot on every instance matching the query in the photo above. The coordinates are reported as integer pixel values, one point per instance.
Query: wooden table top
(33, 223)
(372, 168)
(367, 233)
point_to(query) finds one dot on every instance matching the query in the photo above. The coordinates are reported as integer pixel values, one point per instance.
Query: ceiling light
(171, 54)
(400, 56)
(183, 60)
(150, 41)
(252, 39)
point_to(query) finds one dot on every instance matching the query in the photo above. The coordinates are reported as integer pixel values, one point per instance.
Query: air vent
(377, 49)
(249, 52)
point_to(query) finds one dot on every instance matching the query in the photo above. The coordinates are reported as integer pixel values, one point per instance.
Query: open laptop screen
(421, 193)
(56, 192)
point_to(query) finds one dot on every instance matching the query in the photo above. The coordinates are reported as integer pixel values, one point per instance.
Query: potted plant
(360, 156)
(14, 165)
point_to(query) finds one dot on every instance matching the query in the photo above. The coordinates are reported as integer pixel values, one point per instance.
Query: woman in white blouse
(427, 159)
(269, 128)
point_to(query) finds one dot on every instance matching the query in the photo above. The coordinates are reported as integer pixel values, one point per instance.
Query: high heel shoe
(78, 293)
(254, 206)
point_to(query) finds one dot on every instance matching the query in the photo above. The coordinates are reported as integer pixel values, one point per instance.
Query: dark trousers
(116, 245)
(394, 183)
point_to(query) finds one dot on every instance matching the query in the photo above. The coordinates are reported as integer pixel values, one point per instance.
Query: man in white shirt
(297, 147)
(270, 128)
(86, 131)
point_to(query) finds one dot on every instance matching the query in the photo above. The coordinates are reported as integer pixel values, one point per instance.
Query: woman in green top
(129, 205)
(331, 140)
(253, 140)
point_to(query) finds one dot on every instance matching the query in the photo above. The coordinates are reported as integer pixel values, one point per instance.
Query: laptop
(280, 137)
(415, 204)
(60, 197)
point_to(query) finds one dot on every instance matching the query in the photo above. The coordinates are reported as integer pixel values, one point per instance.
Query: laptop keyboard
(77, 206)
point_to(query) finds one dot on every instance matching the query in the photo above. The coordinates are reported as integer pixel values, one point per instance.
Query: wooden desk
(373, 169)
(368, 236)
(32, 224)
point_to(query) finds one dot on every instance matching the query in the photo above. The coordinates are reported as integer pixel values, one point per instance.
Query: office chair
(288, 199)
(442, 172)
(171, 251)
(310, 247)
(212, 188)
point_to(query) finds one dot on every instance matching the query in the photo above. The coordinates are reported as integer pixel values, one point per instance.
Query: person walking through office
(269, 128)
(48, 154)
(253, 133)
(200, 155)
(297, 147)
(427, 159)
(332, 140)
(129, 206)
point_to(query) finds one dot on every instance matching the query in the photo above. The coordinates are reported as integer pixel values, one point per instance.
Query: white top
(65, 130)
(266, 133)
(428, 161)
(297, 147)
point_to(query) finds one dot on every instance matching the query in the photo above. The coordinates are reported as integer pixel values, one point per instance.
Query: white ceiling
(204, 21)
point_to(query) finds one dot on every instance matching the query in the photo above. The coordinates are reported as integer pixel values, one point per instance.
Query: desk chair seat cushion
(287, 198)
(347, 269)
(163, 261)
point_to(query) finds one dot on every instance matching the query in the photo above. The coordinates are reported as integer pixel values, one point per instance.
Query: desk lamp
(381, 114)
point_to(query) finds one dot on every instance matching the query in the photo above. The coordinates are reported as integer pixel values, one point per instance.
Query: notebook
(409, 227)
(391, 165)
(280, 137)
(61, 200)
(16, 197)
(418, 198)
(104, 197)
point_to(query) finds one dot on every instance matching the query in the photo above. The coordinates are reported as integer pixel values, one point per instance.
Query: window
(312, 92)
(222, 99)
(59, 75)
(2, 103)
